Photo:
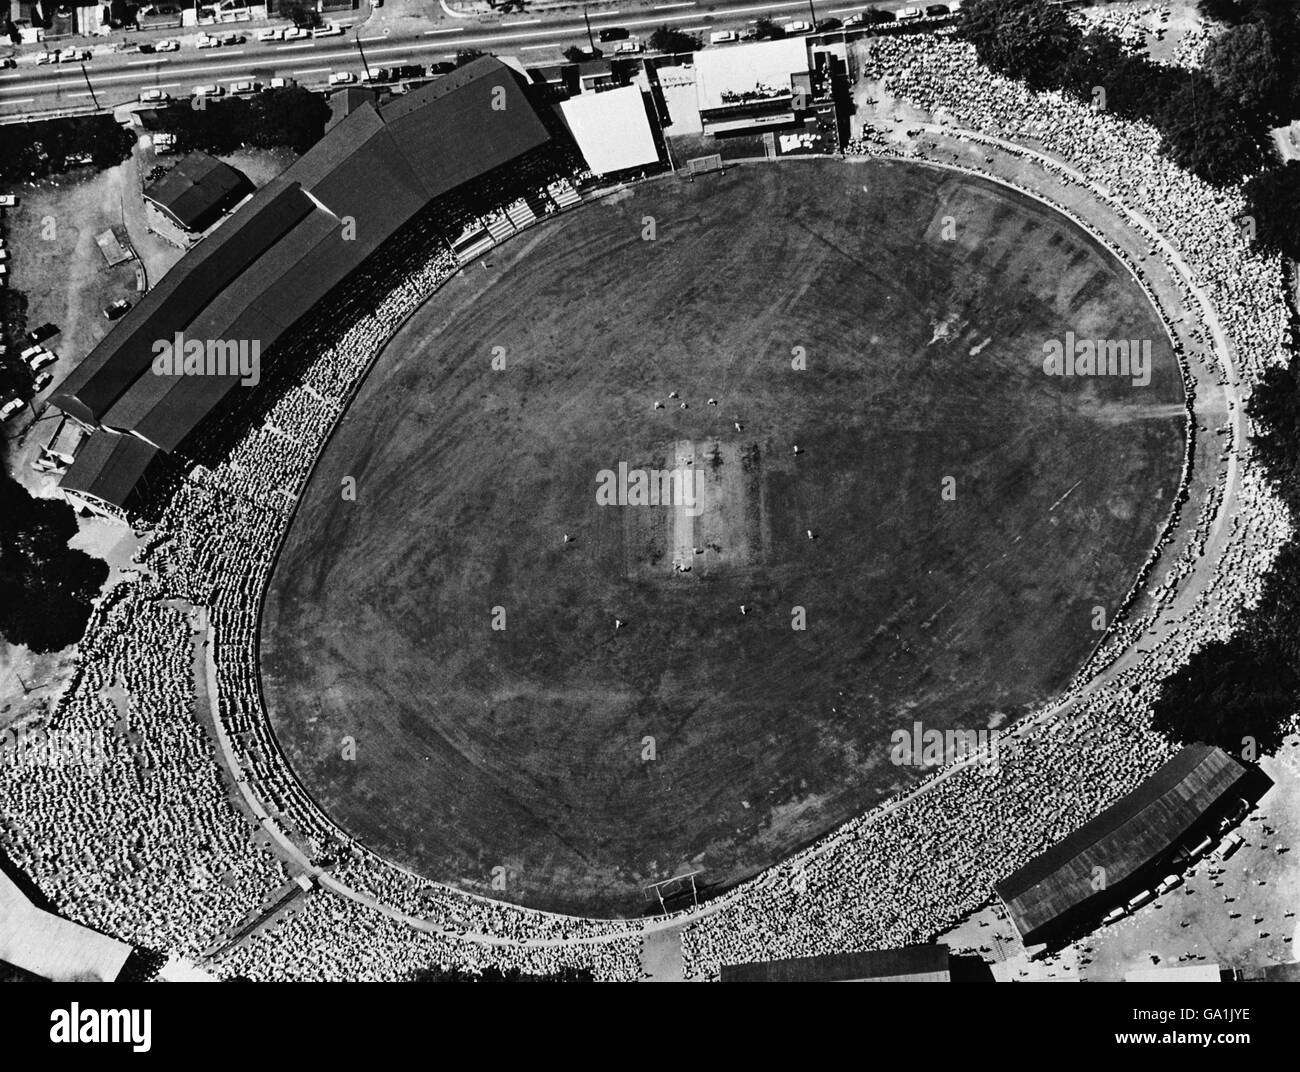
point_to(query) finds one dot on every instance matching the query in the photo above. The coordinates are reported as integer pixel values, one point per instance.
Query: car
(296, 34)
(798, 26)
(613, 33)
(271, 35)
(445, 67)
(41, 360)
(116, 309)
(154, 96)
(31, 352)
(1168, 883)
(1230, 845)
(281, 83)
(327, 31)
(148, 48)
(245, 89)
(11, 406)
(8, 200)
(4, 254)
(167, 45)
(624, 47)
(722, 37)
(205, 41)
(164, 143)
(827, 25)
(210, 90)
(908, 14)
(1139, 899)
(1113, 916)
(231, 39)
(935, 11)
(40, 334)
(8, 62)
(342, 78)
(856, 19)
(42, 381)
(46, 57)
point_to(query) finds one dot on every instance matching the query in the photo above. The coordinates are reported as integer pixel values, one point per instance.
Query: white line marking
(20, 100)
(292, 48)
(537, 48)
(458, 29)
(666, 7)
(142, 63)
(521, 22)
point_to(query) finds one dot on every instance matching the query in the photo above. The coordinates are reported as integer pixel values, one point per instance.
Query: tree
(767, 30)
(1229, 11)
(1242, 63)
(1273, 201)
(668, 39)
(46, 587)
(874, 16)
(575, 54)
(1202, 132)
(1026, 39)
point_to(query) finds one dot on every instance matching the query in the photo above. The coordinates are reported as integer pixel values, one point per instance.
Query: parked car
(296, 34)
(798, 26)
(167, 45)
(42, 381)
(613, 33)
(271, 35)
(342, 78)
(231, 39)
(856, 19)
(205, 41)
(624, 47)
(1113, 916)
(934, 11)
(46, 57)
(117, 309)
(245, 89)
(281, 83)
(42, 360)
(445, 67)
(154, 96)
(31, 352)
(8, 200)
(1230, 845)
(722, 37)
(210, 90)
(1168, 883)
(329, 30)
(908, 14)
(40, 334)
(10, 408)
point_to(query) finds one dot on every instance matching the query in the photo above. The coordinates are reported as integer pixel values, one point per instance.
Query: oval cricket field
(712, 669)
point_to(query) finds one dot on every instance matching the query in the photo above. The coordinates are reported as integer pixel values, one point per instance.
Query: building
(1120, 852)
(753, 86)
(280, 254)
(612, 130)
(197, 192)
(51, 947)
(1189, 973)
(907, 964)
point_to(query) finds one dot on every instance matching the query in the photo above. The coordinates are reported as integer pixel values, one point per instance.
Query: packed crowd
(149, 846)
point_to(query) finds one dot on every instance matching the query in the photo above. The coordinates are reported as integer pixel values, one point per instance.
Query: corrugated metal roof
(1133, 832)
(197, 190)
(109, 467)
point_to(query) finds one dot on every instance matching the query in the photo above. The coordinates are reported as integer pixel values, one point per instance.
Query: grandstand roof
(197, 190)
(746, 68)
(1136, 830)
(907, 964)
(126, 352)
(297, 238)
(52, 947)
(612, 129)
(108, 467)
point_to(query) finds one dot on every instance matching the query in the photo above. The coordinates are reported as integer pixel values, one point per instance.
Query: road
(118, 77)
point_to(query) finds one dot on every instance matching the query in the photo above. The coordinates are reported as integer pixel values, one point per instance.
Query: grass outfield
(522, 749)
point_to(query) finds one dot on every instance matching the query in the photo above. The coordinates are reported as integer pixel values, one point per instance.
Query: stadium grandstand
(197, 191)
(425, 162)
(1114, 855)
(612, 130)
(50, 947)
(907, 964)
(748, 87)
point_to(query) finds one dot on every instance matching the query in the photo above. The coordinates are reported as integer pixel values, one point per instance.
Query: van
(1139, 900)
(722, 37)
(1230, 845)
